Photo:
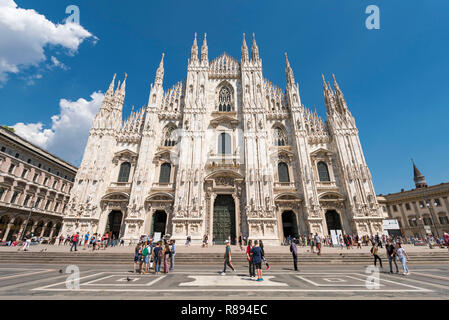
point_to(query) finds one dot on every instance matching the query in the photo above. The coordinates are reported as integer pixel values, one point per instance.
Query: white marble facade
(225, 131)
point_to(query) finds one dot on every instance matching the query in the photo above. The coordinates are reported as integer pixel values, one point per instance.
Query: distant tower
(420, 180)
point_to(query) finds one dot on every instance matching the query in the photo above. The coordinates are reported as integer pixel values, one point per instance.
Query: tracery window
(170, 137)
(224, 143)
(164, 176)
(280, 138)
(323, 171)
(125, 169)
(283, 172)
(225, 100)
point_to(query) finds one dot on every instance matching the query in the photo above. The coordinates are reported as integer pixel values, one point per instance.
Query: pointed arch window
(280, 138)
(283, 172)
(164, 176)
(225, 100)
(125, 169)
(224, 143)
(323, 171)
(170, 137)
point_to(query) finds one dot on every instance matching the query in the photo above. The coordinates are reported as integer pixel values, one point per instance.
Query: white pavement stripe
(423, 283)
(56, 284)
(26, 274)
(236, 290)
(398, 283)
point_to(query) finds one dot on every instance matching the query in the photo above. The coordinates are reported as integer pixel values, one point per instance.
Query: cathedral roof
(224, 66)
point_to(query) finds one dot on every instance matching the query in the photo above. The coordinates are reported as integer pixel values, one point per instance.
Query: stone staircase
(208, 258)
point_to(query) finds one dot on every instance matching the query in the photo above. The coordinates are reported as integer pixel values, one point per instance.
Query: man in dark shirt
(227, 257)
(294, 251)
(256, 254)
(391, 254)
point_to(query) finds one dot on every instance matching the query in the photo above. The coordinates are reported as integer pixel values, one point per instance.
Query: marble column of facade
(237, 214)
(43, 230)
(8, 228)
(211, 218)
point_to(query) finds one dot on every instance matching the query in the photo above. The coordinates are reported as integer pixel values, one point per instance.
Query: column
(8, 228)
(211, 217)
(237, 215)
(43, 230)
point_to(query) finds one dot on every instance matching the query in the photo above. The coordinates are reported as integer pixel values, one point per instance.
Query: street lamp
(28, 220)
(429, 206)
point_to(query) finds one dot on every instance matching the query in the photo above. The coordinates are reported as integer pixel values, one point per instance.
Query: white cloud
(25, 35)
(69, 131)
(57, 64)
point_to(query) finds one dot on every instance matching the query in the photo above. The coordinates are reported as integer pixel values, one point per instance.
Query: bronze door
(224, 219)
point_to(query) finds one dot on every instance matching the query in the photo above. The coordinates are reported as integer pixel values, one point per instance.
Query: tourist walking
(252, 273)
(318, 243)
(256, 255)
(294, 251)
(227, 258)
(263, 255)
(403, 257)
(189, 239)
(391, 254)
(241, 242)
(173, 253)
(312, 243)
(75, 241)
(375, 254)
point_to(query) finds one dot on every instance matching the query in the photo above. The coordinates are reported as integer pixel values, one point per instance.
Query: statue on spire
(245, 55)
(204, 50)
(160, 72)
(289, 72)
(254, 50)
(194, 51)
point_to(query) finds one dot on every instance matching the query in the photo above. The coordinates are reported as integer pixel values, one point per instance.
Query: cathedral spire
(420, 180)
(204, 50)
(254, 50)
(289, 72)
(160, 72)
(245, 55)
(194, 51)
(110, 91)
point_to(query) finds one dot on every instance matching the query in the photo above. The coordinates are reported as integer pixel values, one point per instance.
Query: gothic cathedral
(224, 153)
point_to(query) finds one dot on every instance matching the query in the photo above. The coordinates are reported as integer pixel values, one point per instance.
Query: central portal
(224, 219)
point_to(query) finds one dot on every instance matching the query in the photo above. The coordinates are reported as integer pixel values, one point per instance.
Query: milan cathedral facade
(224, 153)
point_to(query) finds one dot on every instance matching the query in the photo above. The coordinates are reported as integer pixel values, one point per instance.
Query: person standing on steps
(391, 254)
(227, 258)
(256, 254)
(252, 273)
(375, 253)
(173, 253)
(294, 251)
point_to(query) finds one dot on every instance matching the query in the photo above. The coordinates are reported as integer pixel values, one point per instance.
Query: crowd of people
(149, 254)
(95, 241)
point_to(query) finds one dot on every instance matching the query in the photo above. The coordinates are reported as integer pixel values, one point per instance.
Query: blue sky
(395, 79)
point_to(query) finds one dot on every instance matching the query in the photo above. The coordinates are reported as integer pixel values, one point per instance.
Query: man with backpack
(145, 258)
(173, 253)
(294, 251)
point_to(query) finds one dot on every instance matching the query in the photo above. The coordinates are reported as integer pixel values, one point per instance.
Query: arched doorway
(114, 224)
(159, 222)
(15, 229)
(333, 221)
(224, 219)
(4, 220)
(58, 228)
(48, 229)
(38, 229)
(290, 224)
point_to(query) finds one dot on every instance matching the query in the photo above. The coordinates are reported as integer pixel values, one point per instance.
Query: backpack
(160, 253)
(145, 252)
